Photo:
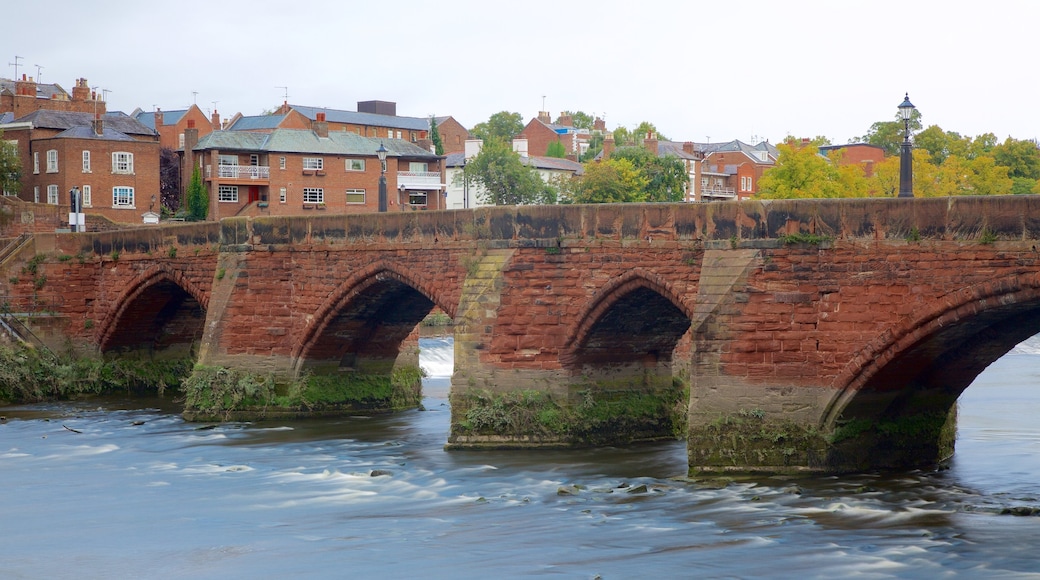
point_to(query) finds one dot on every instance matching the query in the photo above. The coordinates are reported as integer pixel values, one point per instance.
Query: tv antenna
(285, 91)
(39, 75)
(15, 65)
(194, 97)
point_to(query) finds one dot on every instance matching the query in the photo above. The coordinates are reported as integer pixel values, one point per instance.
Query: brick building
(732, 169)
(687, 153)
(540, 132)
(171, 125)
(453, 134)
(287, 171)
(862, 154)
(25, 96)
(111, 158)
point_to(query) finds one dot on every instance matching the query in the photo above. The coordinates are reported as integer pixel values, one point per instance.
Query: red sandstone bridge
(779, 336)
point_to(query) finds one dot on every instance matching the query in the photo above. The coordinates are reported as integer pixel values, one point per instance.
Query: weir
(776, 336)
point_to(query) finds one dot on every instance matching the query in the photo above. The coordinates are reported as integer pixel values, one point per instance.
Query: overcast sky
(699, 71)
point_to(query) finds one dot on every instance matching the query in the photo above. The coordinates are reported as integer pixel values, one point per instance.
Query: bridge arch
(160, 306)
(635, 316)
(896, 401)
(363, 322)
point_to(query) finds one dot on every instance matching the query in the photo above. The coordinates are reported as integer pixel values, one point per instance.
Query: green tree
(595, 146)
(580, 119)
(10, 167)
(502, 126)
(504, 178)
(435, 136)
(611, 181)
(666, 177)
(800, 172)
(889, 134)
(198, 198)
(556, 149)
(1021, 157)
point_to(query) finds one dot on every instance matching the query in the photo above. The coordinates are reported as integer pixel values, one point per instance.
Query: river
(115, 488)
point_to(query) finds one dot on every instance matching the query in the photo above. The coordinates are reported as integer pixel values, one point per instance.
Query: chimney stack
(99, 125)
(650, 142)
(608, 145)
(320, 126)
(158, 118)
(214, 120)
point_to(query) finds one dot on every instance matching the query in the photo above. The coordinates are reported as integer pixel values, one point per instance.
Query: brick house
(171, 125)
(453, 134)
(540, 132)
(290, 171)
(732, 169)
(376, 119)
(862, 154)
(25, 96)
(112, 159)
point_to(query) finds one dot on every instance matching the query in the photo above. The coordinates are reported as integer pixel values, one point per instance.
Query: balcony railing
(240, 172)
(419, 179)
(718, 191)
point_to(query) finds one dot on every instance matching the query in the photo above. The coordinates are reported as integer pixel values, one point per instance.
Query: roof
(846, 145)
(169, 118)
(87, 132)
(117, 121)
(547, 163)
(6, 117)
(307, 141)
(43, 90)
(256, 123)
(366, 119)
(736, 145)
(675, 148)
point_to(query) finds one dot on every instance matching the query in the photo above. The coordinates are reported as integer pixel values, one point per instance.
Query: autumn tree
(504, 179)
(502, 126)
(801, 172)
(611, 181)
(666, 177)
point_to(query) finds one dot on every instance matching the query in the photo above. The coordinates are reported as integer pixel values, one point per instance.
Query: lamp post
(381, 153)
(465, 184)
(906, 159)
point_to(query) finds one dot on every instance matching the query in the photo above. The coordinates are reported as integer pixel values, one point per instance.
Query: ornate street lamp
(381, 153)
(906, 159)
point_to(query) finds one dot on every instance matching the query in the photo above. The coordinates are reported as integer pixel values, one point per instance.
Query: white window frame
(418, 166)
(86, 161)
(36, 194)
(313, 164)
(354, 193)
(52, 195)
(227, 194)
(282, 194)
(281, 163)
(355, 164)
(389, 133)
(86, 196)
(52, 161)
(123, 163)
(227, 160)
(36, 161)
(122, 197)
(313, 195)
(180, 141)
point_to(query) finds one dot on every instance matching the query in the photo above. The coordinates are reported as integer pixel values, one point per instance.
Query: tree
(623, 137)
(595, 146)
(666, 177)
(169, 179)
(611, 181)
(502, 126)
(504, 178)
(889, 134)
(580, 119)
(556, 149)
(10, 167)
(435, 136)
(198, 198)
(801, 172)
(1021, 157)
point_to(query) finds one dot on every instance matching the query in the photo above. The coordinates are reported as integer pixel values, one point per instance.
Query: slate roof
(43, 90)
(307, 141)
(366, 119)
(256, 123)
(737, 145)
(169, 118)
(547, 163)
(116, 121)
(87, 132)
(7, 117)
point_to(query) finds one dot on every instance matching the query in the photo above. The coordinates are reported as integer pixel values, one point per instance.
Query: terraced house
(287, 171)
(111, 158)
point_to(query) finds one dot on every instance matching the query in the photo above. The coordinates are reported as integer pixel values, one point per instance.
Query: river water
(125, 489)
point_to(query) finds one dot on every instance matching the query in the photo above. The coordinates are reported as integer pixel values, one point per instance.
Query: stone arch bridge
(777, 336)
